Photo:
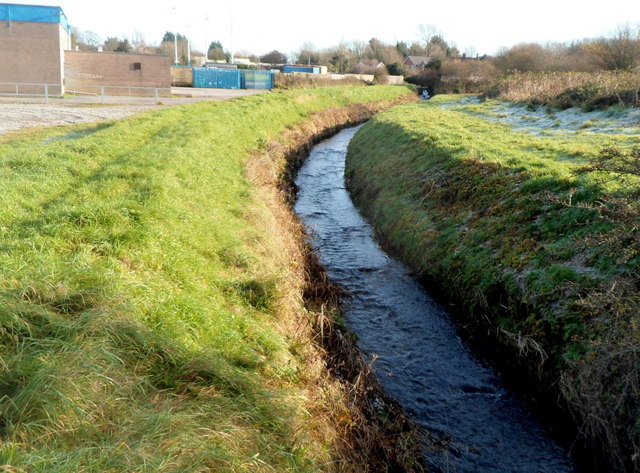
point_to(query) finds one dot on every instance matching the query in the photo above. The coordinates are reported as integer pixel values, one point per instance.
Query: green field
(530, 232)
(151, 314)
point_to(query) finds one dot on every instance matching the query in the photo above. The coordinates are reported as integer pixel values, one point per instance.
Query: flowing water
(419, 358)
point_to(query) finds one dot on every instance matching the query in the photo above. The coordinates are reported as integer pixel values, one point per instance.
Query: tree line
(446, 68)
(90, 41)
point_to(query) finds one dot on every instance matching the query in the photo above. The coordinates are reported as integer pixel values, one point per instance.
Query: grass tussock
(150, 294)
(534, 237)
(588, 90)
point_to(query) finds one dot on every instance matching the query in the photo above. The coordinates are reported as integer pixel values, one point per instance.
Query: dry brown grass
(566, 89)
(293, 81)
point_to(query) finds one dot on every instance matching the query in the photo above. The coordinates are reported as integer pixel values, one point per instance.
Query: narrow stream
(420, 360)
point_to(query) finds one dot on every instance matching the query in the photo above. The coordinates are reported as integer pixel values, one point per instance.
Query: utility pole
(175, 46)
(175, 39)
(232, 58)
(206, 44)
(188, 44)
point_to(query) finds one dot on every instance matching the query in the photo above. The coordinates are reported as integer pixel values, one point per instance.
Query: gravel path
(17, 113)
(16, 116)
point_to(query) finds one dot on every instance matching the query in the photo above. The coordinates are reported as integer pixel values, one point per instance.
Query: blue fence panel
(216, 78)
(255, 79)
(308, 69)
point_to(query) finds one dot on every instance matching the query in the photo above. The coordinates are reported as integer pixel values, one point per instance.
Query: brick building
(32, 43)
(35, 49)
(86, 68)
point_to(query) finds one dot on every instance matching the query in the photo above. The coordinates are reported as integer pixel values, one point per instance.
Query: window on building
(137, 66)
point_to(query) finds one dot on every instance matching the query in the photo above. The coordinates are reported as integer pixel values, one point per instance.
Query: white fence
(103, 91)
(100, 92)
(12, 89)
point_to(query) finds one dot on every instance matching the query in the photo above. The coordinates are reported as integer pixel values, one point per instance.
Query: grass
(538, 249)
(145, 291)
(562, 124)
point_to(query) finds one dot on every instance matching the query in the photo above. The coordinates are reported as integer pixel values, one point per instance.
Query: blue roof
(35, 13)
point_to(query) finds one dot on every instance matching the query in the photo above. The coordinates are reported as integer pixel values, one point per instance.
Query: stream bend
(419, 358)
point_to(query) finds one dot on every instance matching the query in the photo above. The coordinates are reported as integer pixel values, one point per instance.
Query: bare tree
(358, 48)
(622, 51)
(308, 54)
(428, 33)
(470, 51)
(85, 40)
(138, 41)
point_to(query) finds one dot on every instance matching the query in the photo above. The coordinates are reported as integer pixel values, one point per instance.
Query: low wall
(182, 76)
(395, 80)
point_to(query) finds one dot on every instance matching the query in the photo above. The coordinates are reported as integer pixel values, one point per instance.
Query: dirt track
(17, 113)
(17, 116)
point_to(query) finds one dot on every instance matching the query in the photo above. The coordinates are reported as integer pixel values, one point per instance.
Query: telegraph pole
(232, 58)
(206, 44)
(175, 39)
(175, 46)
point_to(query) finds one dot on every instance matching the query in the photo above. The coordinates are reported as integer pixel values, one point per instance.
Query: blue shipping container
(255, 79)
(216, 78)
(307, 69)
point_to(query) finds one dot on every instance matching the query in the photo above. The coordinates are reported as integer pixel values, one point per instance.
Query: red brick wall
(31, 53)
(116, 69)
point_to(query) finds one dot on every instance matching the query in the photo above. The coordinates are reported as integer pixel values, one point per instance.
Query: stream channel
(419, 358)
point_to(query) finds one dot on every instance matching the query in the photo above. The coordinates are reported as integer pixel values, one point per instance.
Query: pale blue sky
(260, 26)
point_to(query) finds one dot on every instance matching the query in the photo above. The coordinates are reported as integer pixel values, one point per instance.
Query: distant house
(367, 67)
(371, 63)
(416, 62)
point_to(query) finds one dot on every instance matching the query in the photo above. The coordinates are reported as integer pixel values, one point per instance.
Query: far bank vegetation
(442, 68)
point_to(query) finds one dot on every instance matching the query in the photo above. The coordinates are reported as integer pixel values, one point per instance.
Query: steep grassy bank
(151, 310)
(540, 252)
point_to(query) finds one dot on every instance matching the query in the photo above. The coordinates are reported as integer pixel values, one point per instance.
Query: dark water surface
(421, 361)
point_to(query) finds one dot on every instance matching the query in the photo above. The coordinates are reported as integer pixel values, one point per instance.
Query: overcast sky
(260, 26)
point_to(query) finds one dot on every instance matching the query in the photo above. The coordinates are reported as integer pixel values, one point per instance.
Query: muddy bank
(374, 435)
